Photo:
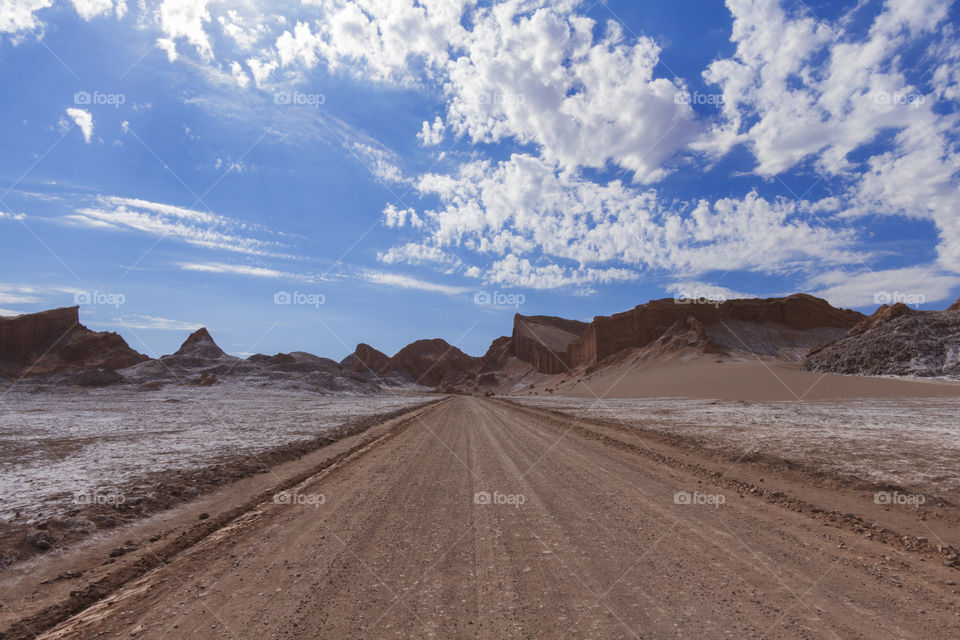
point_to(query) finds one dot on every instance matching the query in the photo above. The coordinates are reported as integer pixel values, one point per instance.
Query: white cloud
(380, 161)
(88, 9)
(528, 209)
(519, 272)
(431, 134)
(694, 290)
(195, 227)
(239, 75)
(798, 89)
(807, 106)
(84, 120)
(862, 288)
(17, 16)
(14, 294)
(244, 270)
(169, 46)
(393, 217)
(153, 322)
(185, 19)
(539, 76)
(400, 281)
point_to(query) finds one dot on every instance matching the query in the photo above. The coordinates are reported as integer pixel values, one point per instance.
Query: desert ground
(481, 518)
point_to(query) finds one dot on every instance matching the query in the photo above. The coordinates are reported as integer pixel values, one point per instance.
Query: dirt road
(481, 520)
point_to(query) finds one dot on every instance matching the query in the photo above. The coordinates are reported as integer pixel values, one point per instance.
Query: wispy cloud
(199, 228)
(154, 322)
(401, 281)
(245, 270)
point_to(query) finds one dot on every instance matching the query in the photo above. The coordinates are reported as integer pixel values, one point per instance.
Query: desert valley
(480, 319)
(732, 428)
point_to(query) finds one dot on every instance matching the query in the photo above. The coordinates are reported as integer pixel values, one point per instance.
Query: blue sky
(177, 163)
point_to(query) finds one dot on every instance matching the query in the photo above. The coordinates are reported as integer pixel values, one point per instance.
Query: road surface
(478, 519)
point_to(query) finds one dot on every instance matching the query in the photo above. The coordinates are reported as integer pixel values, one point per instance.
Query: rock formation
(779, 327)
(365, 361)
(895, 340)
(54, 342)
(543, 341)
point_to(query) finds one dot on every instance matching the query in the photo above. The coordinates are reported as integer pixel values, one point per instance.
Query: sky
(307, 175)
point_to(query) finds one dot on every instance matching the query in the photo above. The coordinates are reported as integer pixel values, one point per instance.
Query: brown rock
(55, 342)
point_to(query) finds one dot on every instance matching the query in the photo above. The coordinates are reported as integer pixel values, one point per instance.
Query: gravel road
(478, 519)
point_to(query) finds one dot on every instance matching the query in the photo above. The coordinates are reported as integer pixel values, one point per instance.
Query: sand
(757, 380)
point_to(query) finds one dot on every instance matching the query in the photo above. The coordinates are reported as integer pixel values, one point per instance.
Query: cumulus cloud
(541, 77)
(88, 9)
(798, 89)
(524, 208)
(431, 134)
(239, 75)
(84, 120)
(18, 16)
(185, 19)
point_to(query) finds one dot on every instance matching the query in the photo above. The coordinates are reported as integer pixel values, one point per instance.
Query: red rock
(365, 359)
(432, 363)
(647, 323)
(54, 341)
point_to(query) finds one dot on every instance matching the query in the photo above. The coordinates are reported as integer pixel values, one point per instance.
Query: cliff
(54, 341)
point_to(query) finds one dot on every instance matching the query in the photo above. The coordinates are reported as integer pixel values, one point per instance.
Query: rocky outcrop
(543, 341)
(895, 340)
(54, 342)
(432, 363)
(365, 360)
(647, 323)
(497, 354)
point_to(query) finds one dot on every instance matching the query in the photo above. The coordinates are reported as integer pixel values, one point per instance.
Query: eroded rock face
(54, 342)
(543, 341)
(653, 322)
(895, 340)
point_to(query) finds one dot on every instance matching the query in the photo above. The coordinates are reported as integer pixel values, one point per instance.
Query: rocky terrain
(896, 340)
(774, 327)
(54, 342)
(53, 347)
